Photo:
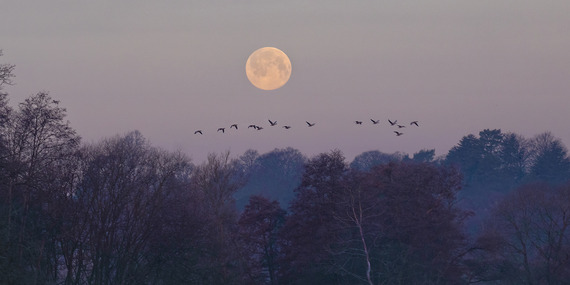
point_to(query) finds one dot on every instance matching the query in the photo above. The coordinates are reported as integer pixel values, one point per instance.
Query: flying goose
(272, 123)
(287, 127)
(392, 123)
(358, 122)
(310, 125)
(375, 122)
(414, 123)
(222, 129)
(398, 133)
(198, 132)
(234, 126)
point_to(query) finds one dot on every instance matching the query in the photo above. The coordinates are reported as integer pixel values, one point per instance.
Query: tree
(259, 225)
(6, 73)
(424, 155)
(527, 239)
(493, 164)
(247, 163)
(358, 215)
(40, 155)
(395, 224)
(5, 112)
(309, 235)
(466, 155)
(550, 161)
(274, 174)
(330, 234)
(422, 239)
(216, 181)
(367, 160)
(124, 188)
(514, 156)
(479, 157)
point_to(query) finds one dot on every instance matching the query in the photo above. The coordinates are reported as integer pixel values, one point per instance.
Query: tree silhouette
(493, 164)
(422, 228)
(6, 73)
(216, 181)
(424, 155)
(40, 149)
(259, 225)
(125, 185)
(527, 239)
(397, 223)
(309, 234)
(369, 159)
(550, 161)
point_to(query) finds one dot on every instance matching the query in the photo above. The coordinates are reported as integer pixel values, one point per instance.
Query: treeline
(121, 211)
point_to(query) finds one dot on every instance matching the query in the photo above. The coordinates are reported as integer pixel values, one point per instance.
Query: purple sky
(168, 68)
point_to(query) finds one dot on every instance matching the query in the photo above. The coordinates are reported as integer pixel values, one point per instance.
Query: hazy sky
(168, 68)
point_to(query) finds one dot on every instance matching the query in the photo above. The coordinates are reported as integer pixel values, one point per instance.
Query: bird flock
(394, 124)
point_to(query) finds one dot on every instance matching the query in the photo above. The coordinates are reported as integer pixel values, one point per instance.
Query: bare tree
(358, 210)
(40, 148)
(527, 241)
(6, 73)
(216, 181)
(124, 187)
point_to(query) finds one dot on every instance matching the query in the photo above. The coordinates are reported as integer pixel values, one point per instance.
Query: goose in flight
(310, 125)
(258, 128)
(398, 133)
(252, 126)
(198, 132)
(401, 126)
(392, 123)
(222, 129)
(375, 122)
(234, 126)
(272, 123)
(358, 122)
(287, 127)
(415, 123)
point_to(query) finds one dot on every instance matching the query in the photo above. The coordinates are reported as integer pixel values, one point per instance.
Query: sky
(168, 68)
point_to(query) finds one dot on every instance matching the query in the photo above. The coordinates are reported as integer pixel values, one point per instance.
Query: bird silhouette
(358, 122)
(234, 126)
(415, 123)
(222, 129)
(272, 123)
(375, 122)
(398, 133)
(258, 128)
(252, 126)
(310, 125)
(392, 123)
(287, 127)
(198, 132)
(401, 126)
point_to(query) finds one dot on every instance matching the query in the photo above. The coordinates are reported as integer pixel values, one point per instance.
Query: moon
(268, 68)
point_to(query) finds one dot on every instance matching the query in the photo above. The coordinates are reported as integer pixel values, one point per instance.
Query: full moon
(268, 68)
